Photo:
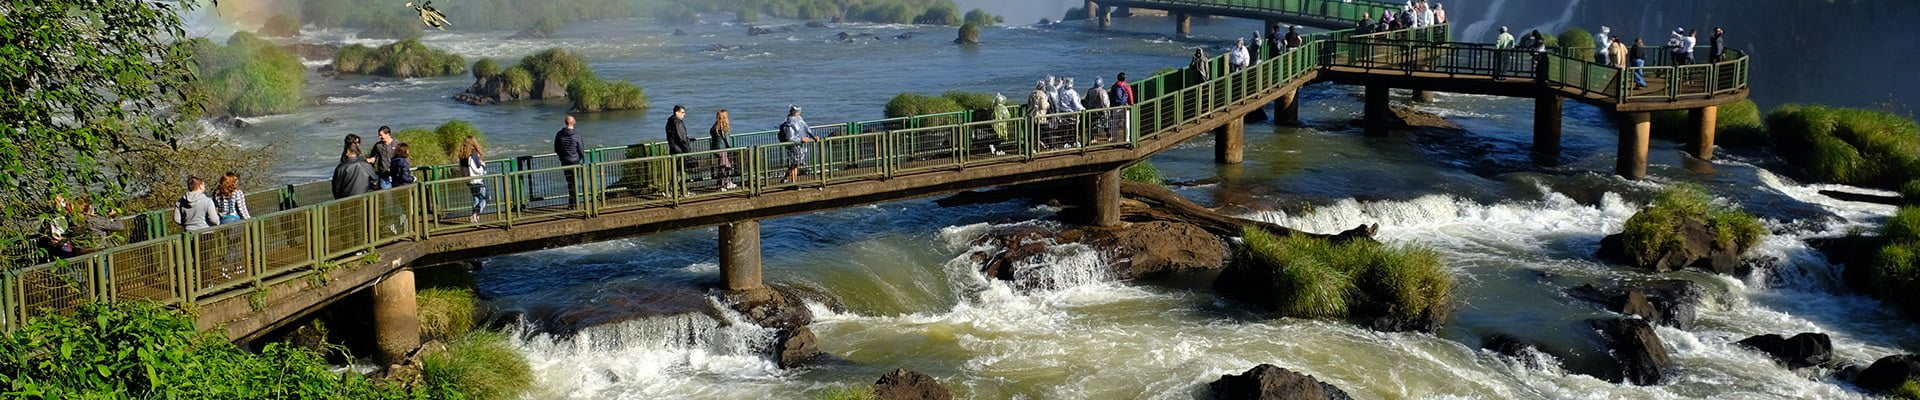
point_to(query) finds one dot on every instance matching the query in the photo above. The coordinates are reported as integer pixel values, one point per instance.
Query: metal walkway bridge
(249, 278)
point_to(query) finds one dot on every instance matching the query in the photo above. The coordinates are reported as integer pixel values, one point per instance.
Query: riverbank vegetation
(403, 59)
(927, 12)
(591, 94)
(1887, 266)
(1143, 172)
(1737, 124)
(1664, 226)
(143, 350)
(246, 77)
(1398, 287)
(437, 146)
(1847, 146)
(476, 363)
(467, 14)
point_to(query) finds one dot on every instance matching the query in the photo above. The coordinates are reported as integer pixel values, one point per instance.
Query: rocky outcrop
(1266, 382)
(1889, 372)
(1638, 354)
(779, 308)
(906, 384)
(1800, 351)
(492, 90)
(1135, 251)
(313, 51)
(1664, 302)
(1698, 249)
(794, 347)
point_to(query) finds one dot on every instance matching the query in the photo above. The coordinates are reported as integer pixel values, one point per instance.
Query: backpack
(787, 134)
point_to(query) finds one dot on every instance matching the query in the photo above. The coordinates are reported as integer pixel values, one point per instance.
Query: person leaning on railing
(473, 164)
(795, 131)
(566, 145)
(195, 211)
(229, 201)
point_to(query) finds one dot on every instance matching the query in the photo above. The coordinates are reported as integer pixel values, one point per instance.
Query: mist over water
(1517, 231)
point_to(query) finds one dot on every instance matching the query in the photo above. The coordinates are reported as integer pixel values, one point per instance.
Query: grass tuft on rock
(1847, 146)
(447, 313)
(851, 392)
(482, 365)
(1143, 172)
(1318, 278)
(590, 94)
(969, 33)
(915, 104)
(1658, 228)
(437, 146)
(485, 68)
(403, 59)
(1579, 42)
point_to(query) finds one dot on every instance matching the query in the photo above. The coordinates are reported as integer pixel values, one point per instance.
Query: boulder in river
(1697, 250)
(1640, 358)
(1800, 351)
(906, 384)
(1889, 372)
(1670, 302)
(1134, 251)
(1267, 381)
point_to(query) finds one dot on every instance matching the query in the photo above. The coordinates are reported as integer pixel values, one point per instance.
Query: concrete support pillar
(1092, 9)
(1704, 120)
(1104, 198)
(1377, 111)
(1123, 12)
(740, 255)
(1183, 24)
(1286, 109)
(1106, 17)
(396, 317)
(1229, 141)
(1635, 130)
(1422, 96)
(1546, 124)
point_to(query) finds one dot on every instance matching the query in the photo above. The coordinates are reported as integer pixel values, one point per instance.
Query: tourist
(1425, 16)
(229, 201)
(677, 140)
(1239, 59)
(1197, 68)
(1639, 61)
(1387, 19)
(1294, 40)
(354, 176)
(1686, 47)
(566, 144)
(102, 230)
(53, 235)
(1439, 14)
(1618, 49)
(1365, 26)
(1253, 50)
(1097, 99)
(1069, 97)
(473, 164)
(796, 132)
(1717, 45)
(1122, 96)
(1602, 50)
(717, 139)
(1038, 103)
(402, 165)
(353, 143)
(1505, 41)
(1675, 41)
(382, 157)
(1539, 42)
(195, 210)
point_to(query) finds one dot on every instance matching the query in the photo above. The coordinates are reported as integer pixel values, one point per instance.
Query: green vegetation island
(403, 59)
(549, 74)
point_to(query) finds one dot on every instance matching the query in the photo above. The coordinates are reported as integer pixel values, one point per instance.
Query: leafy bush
(1658, 228)
(969, 33)
(1893, 272)
(481, 365)
(1143, 172)
(247, 77)
(912, 104)
(1847, 146)
(1074, 14)
(437, 146)
(404, 59)
(1323, 279)
(555, 65)
(980, 17)
(970, 100)
(1579, 42)
(941, 14)
(447, 313)
(1911, 191)
(142, 350)
(590, 94)
(485, 68)
(281, 26)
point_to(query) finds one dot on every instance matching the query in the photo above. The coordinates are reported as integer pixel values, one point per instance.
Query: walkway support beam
(1104, 198)
(1546, 124)
(1183, 23)
(396, 317)
(1230, 141)
(1286, 109)
(1635, 131)
(740, 255)
(1422, 96)
(1705, 120)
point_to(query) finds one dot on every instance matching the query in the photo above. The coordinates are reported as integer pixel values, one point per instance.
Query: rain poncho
(1505, 41)
(1000, 112)
(1065, 99)
(1602, 50)
(1239, 58)
(1038, 102)
(1097, 96)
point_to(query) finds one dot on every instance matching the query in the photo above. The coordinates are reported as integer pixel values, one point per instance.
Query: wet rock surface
(1698, 249)
(1639, 356)
(1889, 372)
(1800, 351)
(1267, 381)
(1671, 302)
(906, 384)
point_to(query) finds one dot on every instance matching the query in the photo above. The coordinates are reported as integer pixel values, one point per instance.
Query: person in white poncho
(1239, 59)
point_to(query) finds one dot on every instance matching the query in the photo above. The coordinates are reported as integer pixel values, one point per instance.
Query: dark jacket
(718, 139)
(1719, 44)
(402, 171)
(353, 177)
(566, 143)
(677, 140)
(1294, 39)
(382, 158)
(1633, 53)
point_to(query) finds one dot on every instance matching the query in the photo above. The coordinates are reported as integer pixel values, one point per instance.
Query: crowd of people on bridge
(1415, 14)
(1610, 50)
(1054, 96)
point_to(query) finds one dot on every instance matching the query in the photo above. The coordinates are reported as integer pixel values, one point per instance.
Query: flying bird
(429, 16)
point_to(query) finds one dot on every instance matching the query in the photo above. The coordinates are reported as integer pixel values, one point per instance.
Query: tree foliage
(247, 77)
(79, 79)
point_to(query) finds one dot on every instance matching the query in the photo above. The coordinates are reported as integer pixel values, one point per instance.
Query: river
(1517, 232)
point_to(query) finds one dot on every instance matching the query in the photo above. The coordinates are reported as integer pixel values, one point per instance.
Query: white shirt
(1239, 57)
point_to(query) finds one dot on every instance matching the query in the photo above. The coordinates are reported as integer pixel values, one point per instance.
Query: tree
(80, 78)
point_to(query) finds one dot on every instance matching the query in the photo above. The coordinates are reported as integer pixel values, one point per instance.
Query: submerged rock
(1889, 372)
(1267, 381)
(1671, 302)
(1800, 351)
(1640, 358)
(906, 384)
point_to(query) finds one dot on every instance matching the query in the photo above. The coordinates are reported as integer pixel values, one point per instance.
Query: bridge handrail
(1573, 74)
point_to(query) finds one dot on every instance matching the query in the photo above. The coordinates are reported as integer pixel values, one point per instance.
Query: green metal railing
(299, 231)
